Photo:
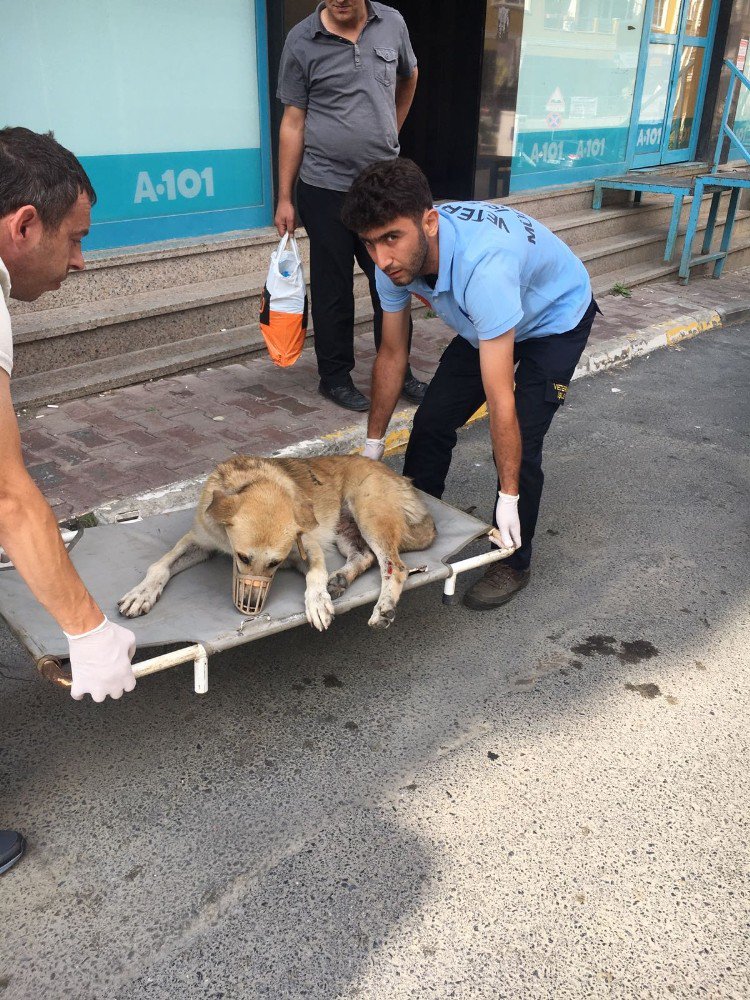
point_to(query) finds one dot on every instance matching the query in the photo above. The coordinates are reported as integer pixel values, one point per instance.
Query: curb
(350, 440)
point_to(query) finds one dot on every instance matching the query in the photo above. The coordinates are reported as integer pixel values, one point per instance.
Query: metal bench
(679, 188)
(733, 179)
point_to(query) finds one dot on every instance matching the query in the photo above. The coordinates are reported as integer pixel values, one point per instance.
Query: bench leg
(726, 239)
(711, 222)
(637, 197)
(673, 226)
(597, 202)
(690, 233)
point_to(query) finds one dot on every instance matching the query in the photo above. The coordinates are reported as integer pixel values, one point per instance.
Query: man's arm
(388, 371)
(496, 363)
(405, 89)
(291, 148)
(30, 536)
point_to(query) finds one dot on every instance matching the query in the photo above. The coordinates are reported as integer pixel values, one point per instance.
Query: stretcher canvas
(197, 605)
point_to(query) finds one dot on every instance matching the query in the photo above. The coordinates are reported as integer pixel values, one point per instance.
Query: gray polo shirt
(348, 91)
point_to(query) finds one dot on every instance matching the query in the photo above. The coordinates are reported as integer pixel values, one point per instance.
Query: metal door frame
(664, 155)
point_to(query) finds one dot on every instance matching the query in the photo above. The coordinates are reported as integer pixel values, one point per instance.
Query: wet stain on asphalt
(636, 651)
(332, 681)
(352, 727)
(644, 690)
(592, 644)
(630, 651)
(492, 756)
(700, 665)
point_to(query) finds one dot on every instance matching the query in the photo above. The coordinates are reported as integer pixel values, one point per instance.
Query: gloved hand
(374, 448)
(508, 524)
(100, 661)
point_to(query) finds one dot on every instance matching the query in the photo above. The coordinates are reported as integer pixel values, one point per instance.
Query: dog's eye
(274, 563)
(245, 560)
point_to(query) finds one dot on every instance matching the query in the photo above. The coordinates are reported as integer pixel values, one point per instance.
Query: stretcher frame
(440, 566)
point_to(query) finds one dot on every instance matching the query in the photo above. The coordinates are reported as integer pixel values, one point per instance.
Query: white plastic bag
(283, 307)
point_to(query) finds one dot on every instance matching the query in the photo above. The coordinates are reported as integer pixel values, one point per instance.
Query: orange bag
(283, 306)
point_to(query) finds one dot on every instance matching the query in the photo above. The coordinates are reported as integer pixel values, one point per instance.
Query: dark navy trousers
(545, 366)
(333, 250)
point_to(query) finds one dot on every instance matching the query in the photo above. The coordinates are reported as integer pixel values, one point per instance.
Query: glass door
(672, 79)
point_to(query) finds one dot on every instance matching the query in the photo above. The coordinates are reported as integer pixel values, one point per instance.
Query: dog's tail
(419, 526)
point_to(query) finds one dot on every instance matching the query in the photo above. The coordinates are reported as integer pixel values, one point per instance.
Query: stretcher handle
(52, 668)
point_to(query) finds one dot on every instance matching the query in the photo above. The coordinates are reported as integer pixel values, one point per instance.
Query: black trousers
(545, 366)
(333, 249)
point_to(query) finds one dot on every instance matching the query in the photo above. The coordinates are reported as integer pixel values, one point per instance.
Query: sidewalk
(147, 447)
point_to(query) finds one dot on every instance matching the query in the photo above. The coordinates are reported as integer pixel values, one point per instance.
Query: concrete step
(89, 330)
(161, 266)
(579, 228)
(603, 255)
(642, 274)
(85, 379)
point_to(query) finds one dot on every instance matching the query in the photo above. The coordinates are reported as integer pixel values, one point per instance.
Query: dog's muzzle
(249, 592)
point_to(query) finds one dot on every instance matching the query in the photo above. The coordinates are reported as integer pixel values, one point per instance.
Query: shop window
(165, 104)
(578, 66)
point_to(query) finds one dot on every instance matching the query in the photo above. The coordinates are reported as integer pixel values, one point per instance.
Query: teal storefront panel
(166, 105)
(160, 196)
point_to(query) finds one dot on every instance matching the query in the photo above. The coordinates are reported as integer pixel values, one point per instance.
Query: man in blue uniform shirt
(521, 304)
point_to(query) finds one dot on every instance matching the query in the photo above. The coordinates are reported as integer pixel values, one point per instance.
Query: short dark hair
(385, 191)
(36, 170)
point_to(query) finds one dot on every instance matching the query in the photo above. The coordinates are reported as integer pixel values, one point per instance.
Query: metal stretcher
(197, 605)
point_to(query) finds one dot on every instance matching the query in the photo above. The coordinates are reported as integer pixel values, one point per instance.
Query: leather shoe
(12, 846)
(498, 585)
(414, 390)
(347, 396)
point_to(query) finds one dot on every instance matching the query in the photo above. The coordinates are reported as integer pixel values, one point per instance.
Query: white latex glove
(100, 661)
(506, 515)
(374, 448)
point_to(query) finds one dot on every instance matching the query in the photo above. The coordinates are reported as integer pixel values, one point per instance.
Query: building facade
(170, 105)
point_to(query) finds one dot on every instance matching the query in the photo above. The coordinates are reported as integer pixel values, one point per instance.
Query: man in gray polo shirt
(347, 79)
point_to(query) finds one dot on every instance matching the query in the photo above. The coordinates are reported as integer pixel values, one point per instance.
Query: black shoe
(347, 396)
(12, 846)
(498, 585)
(414, 390)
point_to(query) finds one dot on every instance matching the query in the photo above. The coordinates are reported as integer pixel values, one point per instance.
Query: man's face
(399, 249)
(43, 257)
(345, 13)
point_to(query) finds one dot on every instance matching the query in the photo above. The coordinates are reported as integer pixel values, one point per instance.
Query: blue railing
(725, 132)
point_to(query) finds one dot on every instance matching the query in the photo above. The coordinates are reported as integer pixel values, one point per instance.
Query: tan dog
(264, 511)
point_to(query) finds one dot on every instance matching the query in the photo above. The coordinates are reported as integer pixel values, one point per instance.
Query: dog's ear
(304, 516)
(223, 507)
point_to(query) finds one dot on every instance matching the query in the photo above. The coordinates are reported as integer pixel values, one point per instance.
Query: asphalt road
(548, 801)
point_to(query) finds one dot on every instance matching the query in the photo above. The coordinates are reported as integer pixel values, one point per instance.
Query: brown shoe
(498, 585)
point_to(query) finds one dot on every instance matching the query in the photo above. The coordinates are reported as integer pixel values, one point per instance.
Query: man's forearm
(30, 536)
(506, 444)
(405, 90)
(387, 382)
(291, 149)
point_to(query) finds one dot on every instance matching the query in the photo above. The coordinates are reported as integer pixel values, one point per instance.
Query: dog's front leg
(186, 553)
(318, 603)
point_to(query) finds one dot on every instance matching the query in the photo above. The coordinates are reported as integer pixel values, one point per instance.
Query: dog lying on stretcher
(266, 512)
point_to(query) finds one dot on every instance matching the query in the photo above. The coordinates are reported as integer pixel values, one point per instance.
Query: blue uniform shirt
(498, 269)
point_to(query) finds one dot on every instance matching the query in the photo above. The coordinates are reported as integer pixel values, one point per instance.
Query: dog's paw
(337, 584)
(137, 601)
(382, 618)
(319, 609)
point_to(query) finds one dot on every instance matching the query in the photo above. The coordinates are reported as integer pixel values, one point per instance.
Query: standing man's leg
(453, 395)
(414, 389)
(545, 368)
(331, 293)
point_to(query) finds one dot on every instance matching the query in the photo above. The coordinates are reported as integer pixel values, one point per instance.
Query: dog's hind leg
(381, 529)
(354, 549)
(186, 553)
